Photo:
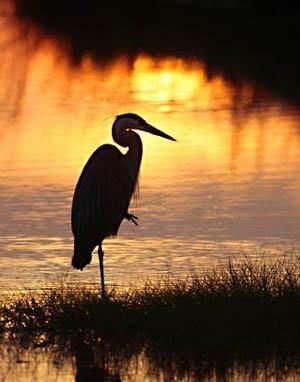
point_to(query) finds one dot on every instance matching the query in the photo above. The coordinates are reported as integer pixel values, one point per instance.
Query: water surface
(229, 186)
(105, 362)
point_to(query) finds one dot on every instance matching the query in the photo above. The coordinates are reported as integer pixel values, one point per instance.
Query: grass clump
(248, 302)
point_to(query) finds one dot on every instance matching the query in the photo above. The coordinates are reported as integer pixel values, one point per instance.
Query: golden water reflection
(89, 363)
(96, 363)
(230, 185)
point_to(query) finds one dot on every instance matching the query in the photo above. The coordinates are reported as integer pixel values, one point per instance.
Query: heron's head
(131, 121)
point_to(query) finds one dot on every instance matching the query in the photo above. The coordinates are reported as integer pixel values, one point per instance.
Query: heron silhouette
(105, 188)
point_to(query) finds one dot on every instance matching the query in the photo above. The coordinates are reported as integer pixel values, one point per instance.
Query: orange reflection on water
(231, 155)
(170, 80)
(60, 116)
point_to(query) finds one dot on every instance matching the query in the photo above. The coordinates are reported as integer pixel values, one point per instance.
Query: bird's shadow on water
(118, 358)
(94, 365)
(118, 355)
(121, 357)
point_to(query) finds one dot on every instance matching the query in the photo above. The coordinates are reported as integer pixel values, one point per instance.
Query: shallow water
(102, 363)
(229, 186)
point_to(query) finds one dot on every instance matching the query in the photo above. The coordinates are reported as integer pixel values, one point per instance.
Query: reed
(252, 303)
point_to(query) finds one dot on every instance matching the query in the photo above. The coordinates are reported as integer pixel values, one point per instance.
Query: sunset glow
(56, 114)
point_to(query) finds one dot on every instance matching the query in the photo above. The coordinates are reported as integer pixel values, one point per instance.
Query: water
(42, 365)
(107, 362)
(229, 186)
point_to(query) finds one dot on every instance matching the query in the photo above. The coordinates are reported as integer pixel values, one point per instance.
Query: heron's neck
(135, 150)
(130, 139)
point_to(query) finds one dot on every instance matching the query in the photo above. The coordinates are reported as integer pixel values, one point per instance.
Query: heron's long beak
(153, 130)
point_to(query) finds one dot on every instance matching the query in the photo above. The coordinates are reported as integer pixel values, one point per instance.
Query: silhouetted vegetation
(245, 315)
(246, 303)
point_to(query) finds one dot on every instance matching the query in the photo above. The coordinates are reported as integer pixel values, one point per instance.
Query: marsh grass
(249, 302)
(240, 318)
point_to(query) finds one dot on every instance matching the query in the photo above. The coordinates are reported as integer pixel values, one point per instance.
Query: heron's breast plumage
(103, 192)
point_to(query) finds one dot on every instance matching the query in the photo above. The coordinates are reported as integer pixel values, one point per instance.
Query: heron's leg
(101, 255)
(131, 217)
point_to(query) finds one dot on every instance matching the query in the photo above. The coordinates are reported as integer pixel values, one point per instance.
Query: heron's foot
(132, 218)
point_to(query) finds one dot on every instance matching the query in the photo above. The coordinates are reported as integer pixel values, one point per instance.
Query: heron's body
(105, 188)
(102, 197)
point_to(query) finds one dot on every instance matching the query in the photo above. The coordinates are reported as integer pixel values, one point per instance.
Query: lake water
(114, 366)
(229, 186)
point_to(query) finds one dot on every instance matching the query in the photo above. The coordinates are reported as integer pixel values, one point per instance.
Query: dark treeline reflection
(256, 40)
(122, 358)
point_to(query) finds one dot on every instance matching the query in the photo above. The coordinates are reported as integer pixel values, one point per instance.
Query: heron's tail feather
(82, 256)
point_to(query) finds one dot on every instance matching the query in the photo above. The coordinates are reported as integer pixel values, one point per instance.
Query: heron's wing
(102, 194)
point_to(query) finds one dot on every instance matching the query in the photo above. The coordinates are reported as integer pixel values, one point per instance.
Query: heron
(105, 188)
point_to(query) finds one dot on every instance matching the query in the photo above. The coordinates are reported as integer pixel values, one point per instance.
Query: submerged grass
(248, 303)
